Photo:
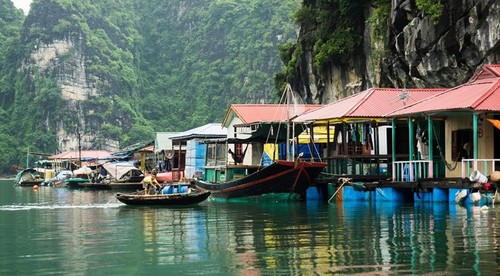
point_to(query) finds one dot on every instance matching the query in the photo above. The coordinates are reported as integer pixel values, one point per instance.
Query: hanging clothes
(367, 138)
(337, 136)
(422, 143)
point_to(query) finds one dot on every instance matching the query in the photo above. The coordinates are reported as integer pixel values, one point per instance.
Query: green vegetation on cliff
(332, 28)
(145, 66)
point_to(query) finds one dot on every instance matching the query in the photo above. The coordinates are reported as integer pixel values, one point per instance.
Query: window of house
(216, 154)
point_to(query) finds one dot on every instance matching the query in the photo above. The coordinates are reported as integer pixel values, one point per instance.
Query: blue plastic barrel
(168, 190)
(183, 189)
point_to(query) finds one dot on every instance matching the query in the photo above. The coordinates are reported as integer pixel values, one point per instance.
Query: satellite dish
(403, 96)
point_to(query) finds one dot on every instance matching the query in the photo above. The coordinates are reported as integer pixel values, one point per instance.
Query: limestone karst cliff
(401, 44)
(103, 75)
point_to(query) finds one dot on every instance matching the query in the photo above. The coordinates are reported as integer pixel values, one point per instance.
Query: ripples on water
(60, 231)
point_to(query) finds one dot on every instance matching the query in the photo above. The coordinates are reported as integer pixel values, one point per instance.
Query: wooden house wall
(485, 142)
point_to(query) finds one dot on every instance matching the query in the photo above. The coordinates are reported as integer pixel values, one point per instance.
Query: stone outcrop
(66, 59)
(417, 52)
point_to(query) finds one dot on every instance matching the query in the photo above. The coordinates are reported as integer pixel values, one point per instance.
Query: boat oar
(344, 181)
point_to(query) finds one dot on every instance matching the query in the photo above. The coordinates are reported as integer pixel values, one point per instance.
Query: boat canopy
(118, 169)
(265, 132)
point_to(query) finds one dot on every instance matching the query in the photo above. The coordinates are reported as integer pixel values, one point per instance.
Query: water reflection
(53, 231)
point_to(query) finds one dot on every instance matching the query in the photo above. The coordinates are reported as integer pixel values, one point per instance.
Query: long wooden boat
(195, 196)
(29, 178)
(289, 177)
(112, 175)
(82, 183)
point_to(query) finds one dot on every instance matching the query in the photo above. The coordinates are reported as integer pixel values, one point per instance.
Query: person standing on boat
(150, 182)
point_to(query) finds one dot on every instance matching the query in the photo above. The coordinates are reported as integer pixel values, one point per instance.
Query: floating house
(190, 150)
(470, 115)
(243, 119)
(164, 151)
(141, 154)
(359, 143)
(73, 159)
(428, 144)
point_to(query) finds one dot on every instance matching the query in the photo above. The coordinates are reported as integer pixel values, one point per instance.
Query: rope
(492, 197)
(449, 166)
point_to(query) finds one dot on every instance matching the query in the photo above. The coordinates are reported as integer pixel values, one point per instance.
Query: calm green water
(61, 231)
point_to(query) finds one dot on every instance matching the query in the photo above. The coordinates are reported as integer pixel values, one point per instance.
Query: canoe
(174, 199)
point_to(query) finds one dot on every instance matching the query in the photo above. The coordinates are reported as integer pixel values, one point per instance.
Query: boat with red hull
(289, 177)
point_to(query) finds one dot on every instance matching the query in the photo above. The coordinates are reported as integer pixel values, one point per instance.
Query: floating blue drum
(168, 190)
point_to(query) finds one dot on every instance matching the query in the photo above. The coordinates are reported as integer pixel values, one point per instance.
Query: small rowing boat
(166, 197)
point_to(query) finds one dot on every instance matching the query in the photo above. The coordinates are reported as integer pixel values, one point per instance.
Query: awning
(265, 132)
(495, 123)
(119, 169)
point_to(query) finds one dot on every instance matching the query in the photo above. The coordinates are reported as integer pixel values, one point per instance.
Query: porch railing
(359, 165)
(410, 171)
(484, 166)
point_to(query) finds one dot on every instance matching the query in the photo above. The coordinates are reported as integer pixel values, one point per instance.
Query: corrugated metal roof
(84, 154)
(480, 94)
(486, 72)
(371, 103)
(253, 113)
(212, 130)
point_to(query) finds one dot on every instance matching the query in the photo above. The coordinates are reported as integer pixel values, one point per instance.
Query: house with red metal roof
(359, 145)
(243, 119)
(467, 115)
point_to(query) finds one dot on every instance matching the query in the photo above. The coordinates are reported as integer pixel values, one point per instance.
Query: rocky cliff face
(71, 75)
(416, 52)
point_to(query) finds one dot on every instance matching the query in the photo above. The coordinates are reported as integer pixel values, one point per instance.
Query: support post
(430, 135)
(475, 134)
(311, 144)
(411, 138)
(393, 148)
(328, 144)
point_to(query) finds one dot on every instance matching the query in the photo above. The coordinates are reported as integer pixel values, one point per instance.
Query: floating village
(381, 144)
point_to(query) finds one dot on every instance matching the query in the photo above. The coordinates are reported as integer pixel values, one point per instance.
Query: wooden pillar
(411, 138)
(143, 162)
(393, 142)
(328, 145)
(393, 148)
(311, 143)
(475, 134)
(430, 134)
(344, 138)
(179, 161)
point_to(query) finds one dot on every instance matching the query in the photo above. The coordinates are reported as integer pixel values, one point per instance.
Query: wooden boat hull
(164, 200)
(81, 183)
(279, 177)
(30, 183)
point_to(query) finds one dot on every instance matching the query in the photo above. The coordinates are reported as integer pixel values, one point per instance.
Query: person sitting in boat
(149, 182)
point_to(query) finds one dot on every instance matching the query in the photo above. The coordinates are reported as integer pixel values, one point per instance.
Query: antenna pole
(287, 98)
(79, 147)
